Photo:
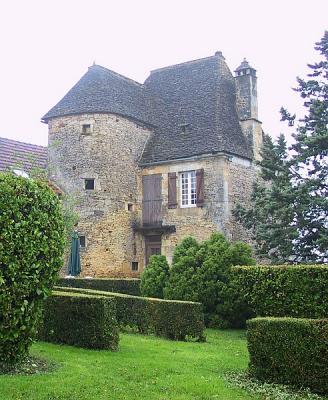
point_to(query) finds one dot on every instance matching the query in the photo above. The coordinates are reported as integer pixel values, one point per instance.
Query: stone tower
(96, 137)
(246, 84)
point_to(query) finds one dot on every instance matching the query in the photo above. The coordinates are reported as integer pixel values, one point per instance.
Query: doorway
(153, 246)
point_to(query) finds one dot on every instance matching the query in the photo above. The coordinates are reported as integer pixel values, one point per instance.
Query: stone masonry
(109, 132)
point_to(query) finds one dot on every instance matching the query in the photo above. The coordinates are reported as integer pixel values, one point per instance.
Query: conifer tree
(289, 215)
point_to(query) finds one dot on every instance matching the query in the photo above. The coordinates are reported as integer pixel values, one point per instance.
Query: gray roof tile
(104, 91)
(192, 107)
(201, 95)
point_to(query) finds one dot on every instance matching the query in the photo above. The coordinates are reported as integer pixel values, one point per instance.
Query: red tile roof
(23, 156)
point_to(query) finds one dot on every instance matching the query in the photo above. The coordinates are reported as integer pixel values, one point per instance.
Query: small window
(185, 128)
(130, 207)
(86, 129)
(188, 189)
(134, 266)
(82, 241)
(89, 184)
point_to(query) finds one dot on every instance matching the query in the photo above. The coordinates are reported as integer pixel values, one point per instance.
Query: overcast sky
(46, 46)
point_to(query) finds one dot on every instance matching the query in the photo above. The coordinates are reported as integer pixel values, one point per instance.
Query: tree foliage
(31, 248)
(154, 277)
(201, 272)
(288, 217)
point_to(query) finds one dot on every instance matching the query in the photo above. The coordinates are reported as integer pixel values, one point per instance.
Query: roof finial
(219, 54)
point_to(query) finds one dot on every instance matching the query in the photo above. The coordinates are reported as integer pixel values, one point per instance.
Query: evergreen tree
(288, 217)
(202, 272)
(154, 277)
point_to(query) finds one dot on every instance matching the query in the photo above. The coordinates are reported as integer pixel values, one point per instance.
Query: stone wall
(109, 154)
(226, 181)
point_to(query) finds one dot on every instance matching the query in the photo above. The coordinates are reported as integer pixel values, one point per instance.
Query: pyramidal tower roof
(104, 91)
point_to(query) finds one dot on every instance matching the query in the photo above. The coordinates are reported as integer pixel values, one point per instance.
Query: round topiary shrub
(154, 277)
(31, 250)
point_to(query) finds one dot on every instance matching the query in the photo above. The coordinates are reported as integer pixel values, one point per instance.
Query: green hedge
(80, 320)
(285, 291)
(32, 233)
(127, 286)
(177, 320)
(289, 350)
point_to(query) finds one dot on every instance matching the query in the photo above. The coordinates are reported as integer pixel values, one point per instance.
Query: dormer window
(184, 128)
(86, 129)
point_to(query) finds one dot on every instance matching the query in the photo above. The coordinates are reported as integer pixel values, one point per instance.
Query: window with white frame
(188, 189)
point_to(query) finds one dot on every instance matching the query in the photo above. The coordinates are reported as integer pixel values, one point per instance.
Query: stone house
(148, 164)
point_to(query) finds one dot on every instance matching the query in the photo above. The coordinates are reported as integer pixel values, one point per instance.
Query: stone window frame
(83, 130)
(85, 241)
(89, 174)
(133, 265)
(90, 180)
(187, 189)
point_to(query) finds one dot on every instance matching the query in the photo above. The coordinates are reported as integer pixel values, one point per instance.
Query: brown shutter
(172, 190)
(200, 187)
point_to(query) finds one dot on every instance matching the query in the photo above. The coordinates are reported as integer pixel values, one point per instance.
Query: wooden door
(152, 200)
(153, 246)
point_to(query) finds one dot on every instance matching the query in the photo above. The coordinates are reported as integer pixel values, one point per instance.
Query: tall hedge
(31, 249)
(117, 285)
(81, 320)
(285, 291)
(176, 320)
(290, 351)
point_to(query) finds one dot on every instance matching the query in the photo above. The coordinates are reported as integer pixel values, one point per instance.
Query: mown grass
(145, 368)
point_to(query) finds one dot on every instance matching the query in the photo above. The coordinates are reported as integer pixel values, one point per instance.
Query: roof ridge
(183, 63)
(27, 144)
(116, 74)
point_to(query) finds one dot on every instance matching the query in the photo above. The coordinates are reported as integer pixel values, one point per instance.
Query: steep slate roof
(201, 95)
(104, 91)
(21, 155)
(197, 96)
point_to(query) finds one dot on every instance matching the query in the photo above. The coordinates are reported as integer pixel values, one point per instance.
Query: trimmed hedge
(290, 351)
(285, 291)
(32, 237)
(127, 286)
(81, 320)
(176, 320)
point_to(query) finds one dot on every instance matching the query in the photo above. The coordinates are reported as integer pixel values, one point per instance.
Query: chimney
(247, 109)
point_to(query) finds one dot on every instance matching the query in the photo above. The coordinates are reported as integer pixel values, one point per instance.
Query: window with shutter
(172, 190)
(192, 188)
(200, 187)
(188, 189)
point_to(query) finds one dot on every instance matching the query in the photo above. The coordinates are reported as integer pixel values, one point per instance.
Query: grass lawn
(145, 367)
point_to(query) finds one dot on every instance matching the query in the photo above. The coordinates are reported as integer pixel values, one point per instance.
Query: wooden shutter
(152, 199)
(172, 190)
(200, 187)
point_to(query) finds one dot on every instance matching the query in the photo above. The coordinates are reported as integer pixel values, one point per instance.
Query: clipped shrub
(127, 286)
(154, 277)
(81, 320)
(202, 272)
(177, 320)
(285, 291)
(289, 350)
(31, 249)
